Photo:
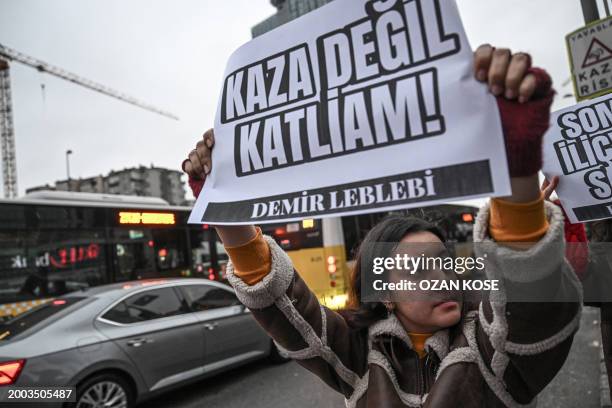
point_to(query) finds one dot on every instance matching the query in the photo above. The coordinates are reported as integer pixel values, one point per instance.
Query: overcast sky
(172, 54)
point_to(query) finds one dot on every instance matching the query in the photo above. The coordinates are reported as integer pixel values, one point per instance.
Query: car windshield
(17, 325)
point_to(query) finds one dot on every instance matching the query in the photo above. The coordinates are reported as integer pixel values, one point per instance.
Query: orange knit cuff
(517, 222)
(252, 261)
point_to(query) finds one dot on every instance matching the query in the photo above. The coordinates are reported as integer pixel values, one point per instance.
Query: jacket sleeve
(317, 337)
(524, 331)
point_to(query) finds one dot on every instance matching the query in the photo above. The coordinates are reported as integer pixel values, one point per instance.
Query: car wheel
(276, 356)
(105, 390)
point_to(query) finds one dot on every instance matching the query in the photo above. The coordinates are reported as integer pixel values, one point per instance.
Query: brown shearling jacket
(500, 355)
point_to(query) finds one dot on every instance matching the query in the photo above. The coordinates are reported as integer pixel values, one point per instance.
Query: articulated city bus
(52, 243)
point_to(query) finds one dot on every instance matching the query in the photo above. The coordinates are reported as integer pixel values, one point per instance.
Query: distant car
(123, 343)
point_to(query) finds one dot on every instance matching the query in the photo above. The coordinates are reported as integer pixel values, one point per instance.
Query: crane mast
(7, 133)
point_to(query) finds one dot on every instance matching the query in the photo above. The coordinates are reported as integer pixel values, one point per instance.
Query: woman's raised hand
(199, 161)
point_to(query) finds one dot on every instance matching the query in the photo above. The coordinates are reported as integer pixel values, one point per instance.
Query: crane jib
(14, 55)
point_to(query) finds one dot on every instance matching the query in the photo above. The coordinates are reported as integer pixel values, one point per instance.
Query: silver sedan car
(124, 343)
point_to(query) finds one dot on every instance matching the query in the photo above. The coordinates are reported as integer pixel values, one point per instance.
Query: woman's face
(427, 311)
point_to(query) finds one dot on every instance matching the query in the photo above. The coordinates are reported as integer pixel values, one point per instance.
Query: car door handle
(138, 342)
(210, 326)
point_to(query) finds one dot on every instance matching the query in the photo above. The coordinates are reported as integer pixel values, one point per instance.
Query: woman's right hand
(197, 166)
(199, 161)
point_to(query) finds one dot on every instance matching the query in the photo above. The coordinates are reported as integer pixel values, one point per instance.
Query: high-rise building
(139, 181)
(287, 10)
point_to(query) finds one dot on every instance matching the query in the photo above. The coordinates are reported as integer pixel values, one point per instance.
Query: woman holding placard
(441, 351)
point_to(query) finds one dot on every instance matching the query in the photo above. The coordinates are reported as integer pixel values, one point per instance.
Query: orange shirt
(418, 342)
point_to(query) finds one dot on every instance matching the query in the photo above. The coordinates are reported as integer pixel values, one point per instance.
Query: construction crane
(7, 132)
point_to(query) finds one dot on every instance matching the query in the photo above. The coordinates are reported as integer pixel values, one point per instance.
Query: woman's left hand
(524, 96)
(505, 73)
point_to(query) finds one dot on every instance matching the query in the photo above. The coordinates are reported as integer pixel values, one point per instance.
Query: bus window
(170, 247)
(455, 221)
(13, 216)
(68, 217)
(201, 260)
(222, 259)
(296, 235)
(35, 264)
(133, 254)
(134, 260)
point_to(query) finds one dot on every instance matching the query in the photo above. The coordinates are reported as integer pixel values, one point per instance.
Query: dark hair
(393, 228)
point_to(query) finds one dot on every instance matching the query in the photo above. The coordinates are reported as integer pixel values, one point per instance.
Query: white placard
(578, 148)
(359, 106)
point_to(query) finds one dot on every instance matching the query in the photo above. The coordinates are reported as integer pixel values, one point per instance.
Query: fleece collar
(391, 326)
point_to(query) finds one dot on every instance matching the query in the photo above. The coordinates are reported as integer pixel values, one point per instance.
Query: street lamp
(68, 153)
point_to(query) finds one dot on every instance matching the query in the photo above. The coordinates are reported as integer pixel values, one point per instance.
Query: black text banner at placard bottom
(593, 212)
(449, 182)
